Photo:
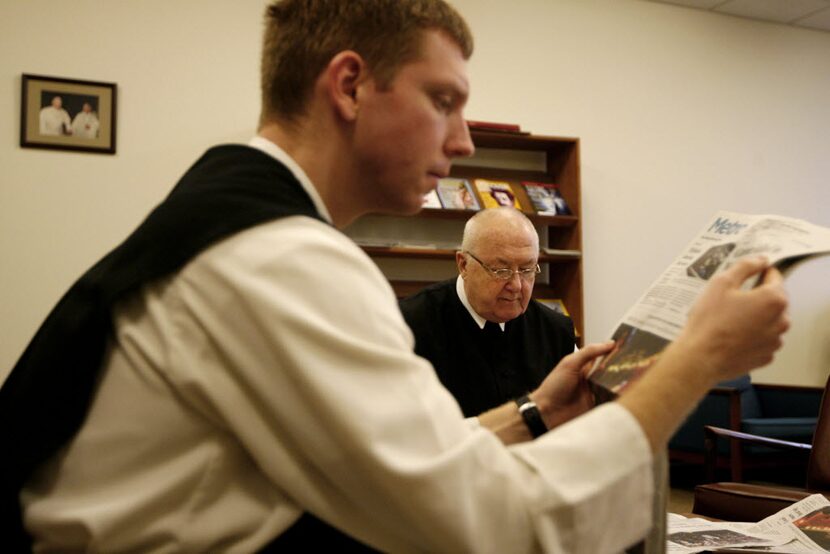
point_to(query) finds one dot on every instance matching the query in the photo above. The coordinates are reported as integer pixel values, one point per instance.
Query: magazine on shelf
(546, 198)
(497, 193)
(431, 200)
(661, 312)
(456, 194)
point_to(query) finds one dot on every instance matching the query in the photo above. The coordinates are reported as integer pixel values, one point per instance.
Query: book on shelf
(546, 198)
(555, 304)
(660, 314)
(497, 193)
(510, 129)
(456, 194)
(431, 200)
(494, 126)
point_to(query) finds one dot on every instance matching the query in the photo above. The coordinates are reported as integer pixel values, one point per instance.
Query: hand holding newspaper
(661, 313)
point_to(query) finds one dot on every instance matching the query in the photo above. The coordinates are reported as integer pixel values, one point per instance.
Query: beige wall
(680, 112)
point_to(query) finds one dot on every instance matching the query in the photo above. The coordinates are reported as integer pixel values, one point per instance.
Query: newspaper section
(802, 527)
(659, 315)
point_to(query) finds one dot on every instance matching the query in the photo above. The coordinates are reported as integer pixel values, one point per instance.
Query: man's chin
(505, 317)
(402, 210)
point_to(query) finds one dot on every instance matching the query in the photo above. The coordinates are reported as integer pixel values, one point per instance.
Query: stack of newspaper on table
(803, 527)
(659, 315)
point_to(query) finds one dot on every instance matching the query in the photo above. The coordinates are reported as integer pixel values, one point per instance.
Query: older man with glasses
(488, 341)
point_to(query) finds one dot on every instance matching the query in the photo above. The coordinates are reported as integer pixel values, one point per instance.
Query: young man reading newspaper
(237, 374)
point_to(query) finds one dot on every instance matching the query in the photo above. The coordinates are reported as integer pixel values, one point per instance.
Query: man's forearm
(662, 398)
(507, 423)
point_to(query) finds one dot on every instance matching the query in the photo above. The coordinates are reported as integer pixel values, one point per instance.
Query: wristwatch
(532, 417)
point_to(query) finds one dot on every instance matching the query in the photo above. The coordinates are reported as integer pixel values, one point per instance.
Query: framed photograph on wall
(67, 114)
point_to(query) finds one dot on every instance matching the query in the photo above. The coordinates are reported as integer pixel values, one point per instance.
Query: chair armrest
(712, 434)
(743, 501)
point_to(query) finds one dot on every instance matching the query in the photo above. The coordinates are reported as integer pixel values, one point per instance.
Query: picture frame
(67, 114)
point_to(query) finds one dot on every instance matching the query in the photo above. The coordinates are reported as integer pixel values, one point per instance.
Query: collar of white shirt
(462, 295)
(265, 145)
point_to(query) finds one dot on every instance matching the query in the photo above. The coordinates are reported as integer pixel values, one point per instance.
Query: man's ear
(461, 262)
(343, 78)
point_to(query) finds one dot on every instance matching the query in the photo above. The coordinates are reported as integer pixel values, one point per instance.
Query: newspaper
(685, 536)
(808, 520)
(660, 314)
(802, 527)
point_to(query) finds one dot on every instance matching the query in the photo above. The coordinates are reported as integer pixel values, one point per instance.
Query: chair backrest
(818, 468)
(750, 405)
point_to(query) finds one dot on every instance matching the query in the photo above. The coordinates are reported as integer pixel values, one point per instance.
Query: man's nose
(515, 281)
(459, 143)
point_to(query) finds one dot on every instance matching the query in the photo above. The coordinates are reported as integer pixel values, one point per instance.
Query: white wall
(187, 74)
(680, 112)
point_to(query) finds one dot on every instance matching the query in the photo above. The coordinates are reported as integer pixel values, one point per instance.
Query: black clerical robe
(485, 368)
(44, 400)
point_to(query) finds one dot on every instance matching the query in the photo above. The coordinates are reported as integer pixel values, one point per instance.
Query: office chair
(750, 502)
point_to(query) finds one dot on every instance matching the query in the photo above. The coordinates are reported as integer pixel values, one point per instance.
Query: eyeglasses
(505, 274)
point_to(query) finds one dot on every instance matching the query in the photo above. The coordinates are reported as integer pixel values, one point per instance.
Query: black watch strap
(532, 417)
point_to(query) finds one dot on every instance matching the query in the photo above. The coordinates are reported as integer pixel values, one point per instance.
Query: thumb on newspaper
(742, 270)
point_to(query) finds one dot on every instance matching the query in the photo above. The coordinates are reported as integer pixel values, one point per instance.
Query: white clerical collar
(462, 295)
(265, 145)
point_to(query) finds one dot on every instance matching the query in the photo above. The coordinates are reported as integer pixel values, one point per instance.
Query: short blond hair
(302, 36)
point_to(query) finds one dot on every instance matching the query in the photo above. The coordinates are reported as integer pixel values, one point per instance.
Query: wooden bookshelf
(553, 160)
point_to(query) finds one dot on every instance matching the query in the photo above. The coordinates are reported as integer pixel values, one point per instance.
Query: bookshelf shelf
(447, 254)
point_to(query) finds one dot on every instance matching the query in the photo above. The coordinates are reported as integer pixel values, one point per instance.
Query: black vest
(45, 399)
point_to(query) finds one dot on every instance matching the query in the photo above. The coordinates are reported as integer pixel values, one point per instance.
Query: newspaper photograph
(802, 521)
(659, 315)
(686, 536)
(814, 527)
